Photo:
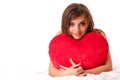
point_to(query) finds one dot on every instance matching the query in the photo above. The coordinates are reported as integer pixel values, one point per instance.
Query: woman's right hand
(75, 69)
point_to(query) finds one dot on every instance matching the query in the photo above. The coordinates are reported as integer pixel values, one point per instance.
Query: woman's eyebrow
(84, 21)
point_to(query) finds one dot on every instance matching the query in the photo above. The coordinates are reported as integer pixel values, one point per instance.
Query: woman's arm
(53, 71)
(64, 71)
(108, 64)
(103, 68)
(75, 69)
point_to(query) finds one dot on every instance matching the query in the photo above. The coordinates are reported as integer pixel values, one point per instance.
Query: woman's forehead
(81, 18)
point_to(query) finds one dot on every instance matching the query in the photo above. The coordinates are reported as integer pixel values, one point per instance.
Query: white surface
(27, 26)
(43, 75)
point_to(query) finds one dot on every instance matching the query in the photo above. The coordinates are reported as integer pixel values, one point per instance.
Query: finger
(80, 68)
(76, 66)
(63, 67)
(83, 74)
(78, 72)
(72, 62)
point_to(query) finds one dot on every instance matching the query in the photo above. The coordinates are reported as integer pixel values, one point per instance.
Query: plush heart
(91, 50)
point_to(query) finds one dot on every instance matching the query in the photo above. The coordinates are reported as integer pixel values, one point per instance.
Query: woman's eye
(83, 24)
(71, 25)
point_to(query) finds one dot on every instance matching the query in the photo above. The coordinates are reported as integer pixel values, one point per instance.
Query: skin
(77, 29)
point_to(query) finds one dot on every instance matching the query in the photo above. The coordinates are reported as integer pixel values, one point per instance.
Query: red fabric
(91, 50)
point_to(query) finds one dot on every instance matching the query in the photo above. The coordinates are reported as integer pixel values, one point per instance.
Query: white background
(27, 26)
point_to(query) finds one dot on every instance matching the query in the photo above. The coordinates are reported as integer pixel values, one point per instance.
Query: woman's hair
(73, 11)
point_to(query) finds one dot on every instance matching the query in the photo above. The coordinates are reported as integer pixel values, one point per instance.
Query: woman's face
(78, 27)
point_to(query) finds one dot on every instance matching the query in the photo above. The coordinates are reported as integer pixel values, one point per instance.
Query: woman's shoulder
(58, 32)
(100, 32)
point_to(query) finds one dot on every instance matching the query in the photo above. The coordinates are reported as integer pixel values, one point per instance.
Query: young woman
(76, 22)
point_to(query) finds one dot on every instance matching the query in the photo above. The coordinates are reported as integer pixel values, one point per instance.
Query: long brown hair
(73, 11)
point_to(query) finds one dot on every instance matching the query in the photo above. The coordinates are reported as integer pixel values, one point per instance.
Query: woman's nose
(77, 29)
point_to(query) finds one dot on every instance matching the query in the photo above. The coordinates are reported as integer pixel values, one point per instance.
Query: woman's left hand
(76, 68)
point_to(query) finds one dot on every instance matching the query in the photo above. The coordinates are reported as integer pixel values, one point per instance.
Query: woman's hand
(75, 69)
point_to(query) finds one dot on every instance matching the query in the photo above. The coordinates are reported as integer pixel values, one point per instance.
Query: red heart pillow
(91, 50)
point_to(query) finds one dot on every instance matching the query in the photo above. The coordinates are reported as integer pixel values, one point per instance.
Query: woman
(76, 22)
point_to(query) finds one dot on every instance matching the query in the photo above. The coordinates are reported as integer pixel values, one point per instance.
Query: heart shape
(91, 50)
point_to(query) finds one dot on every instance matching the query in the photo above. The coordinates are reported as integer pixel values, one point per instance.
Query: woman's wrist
(86, 71)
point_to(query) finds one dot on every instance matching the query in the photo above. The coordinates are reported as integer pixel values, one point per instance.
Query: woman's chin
(76, 37)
